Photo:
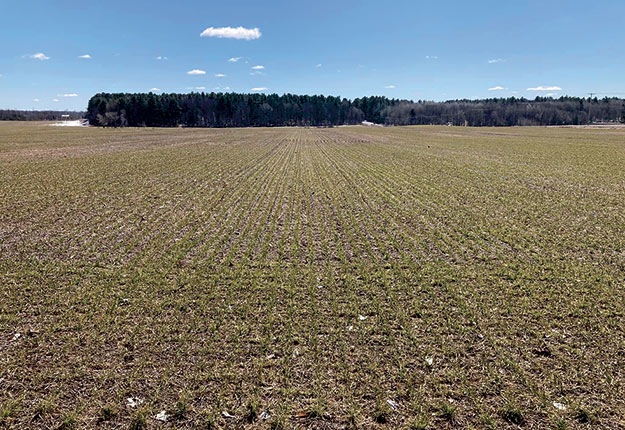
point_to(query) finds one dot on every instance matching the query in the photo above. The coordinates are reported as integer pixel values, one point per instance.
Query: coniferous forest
(255, 110)
(37, 115)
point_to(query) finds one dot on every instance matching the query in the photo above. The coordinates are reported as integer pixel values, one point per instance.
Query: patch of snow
(559, 406)
(76, 123)
(133, 402)
(162, 416)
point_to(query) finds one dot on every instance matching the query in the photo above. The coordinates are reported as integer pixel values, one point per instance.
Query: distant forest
(37, 115)
(254, 110)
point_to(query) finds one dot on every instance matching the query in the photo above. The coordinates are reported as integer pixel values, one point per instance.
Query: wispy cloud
(86, 56)
(196, 72)
(220, 75)
(198, 88)
(67, 95)
(260, 89)
(390, 87)
(542, 88)
(39, 56)
(232, 33)
(319, 65)
(36, 100)
(497, 88)
(496, 60)
(234, 59)
(161, 58)
(55, 100)
(155, 90)
(258, 67)
(431, 57)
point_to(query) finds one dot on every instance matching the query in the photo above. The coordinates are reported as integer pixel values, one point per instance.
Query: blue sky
(433, 50)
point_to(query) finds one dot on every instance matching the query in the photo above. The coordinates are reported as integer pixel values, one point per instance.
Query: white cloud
(55, 100)
(232, 33)
(39, 56)
(226, 88)
(390, 86)
(196, 72)
(220, 75)
(541, 88)
(36, 100)
(319, 65)
(70, 95)
(260, 89)
(86, 56)
(161, 58)
(496, 60)
(199, 88)
(258, 67)
(234, 59)
(497, 88)
(155, 90)
(431, 57)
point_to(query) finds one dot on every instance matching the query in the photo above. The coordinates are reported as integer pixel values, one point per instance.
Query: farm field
(349, 277)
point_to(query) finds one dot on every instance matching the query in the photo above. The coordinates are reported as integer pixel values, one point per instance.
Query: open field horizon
(347, 277)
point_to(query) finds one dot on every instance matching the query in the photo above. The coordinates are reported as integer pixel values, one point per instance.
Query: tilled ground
(429, 277)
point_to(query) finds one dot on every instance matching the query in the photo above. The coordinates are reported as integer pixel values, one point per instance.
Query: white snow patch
(77, 123)
(133, 402)
(162, 416)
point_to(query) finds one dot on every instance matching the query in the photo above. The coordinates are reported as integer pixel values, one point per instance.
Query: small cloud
(232, 33)
(39, 56)
(431, 57)
(155, 90)
(258, 67)
(70, 95)
(220, 75)
(497, 88)
(226, 88)
(319, 65)
(260, 89)
(496, 60)
(541, 88)
(86, 56)
(390, 87)
(161, 58)
(199, 88)
(55, 100)
(36, 100)
(234, 59)
(196, 72)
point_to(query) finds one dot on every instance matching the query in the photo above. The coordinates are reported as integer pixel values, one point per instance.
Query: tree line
(37, 115)
(254, 110)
